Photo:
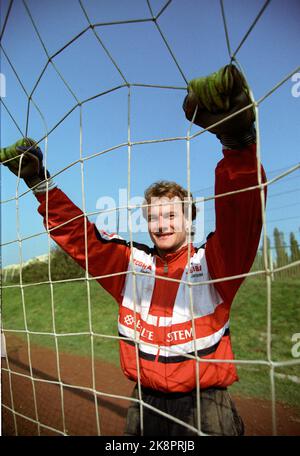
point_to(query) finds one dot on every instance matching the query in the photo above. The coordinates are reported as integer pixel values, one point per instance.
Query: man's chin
(165, 243)
(165, 247)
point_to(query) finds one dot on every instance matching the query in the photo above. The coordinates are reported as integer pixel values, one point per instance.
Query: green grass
(248, 327)
(249, 337)
(70, 315)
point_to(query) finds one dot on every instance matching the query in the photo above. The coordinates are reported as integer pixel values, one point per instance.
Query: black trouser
(218, 413)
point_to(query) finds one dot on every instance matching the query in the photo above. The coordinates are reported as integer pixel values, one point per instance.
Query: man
(162, 325)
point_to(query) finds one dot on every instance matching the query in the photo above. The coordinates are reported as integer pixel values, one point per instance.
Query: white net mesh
(55, 118)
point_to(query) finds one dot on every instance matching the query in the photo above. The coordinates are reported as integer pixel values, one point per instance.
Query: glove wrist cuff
(238, 141)
(44, 186)
(40, 183)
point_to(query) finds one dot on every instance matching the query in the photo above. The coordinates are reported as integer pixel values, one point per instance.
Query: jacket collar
(174, 256)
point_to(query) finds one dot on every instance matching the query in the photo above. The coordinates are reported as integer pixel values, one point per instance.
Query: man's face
(167, 224)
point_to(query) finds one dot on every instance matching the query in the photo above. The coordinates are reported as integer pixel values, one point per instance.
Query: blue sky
(195, 33)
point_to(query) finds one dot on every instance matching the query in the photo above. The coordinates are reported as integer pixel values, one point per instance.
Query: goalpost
(267, 271)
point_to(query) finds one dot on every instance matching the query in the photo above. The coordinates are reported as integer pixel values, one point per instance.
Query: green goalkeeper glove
(25, 158)
(216, 97)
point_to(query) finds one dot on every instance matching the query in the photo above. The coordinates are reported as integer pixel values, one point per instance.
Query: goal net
(100, 87)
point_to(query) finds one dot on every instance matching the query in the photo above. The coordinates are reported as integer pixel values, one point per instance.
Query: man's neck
(163, 253)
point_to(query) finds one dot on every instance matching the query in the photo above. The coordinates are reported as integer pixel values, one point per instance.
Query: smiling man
(173, 320)
(167, 215)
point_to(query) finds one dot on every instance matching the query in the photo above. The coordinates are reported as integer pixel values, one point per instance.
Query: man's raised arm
(231, 249)
(66, 222)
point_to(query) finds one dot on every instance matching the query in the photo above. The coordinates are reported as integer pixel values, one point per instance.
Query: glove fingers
(14, 164)
(190, 104)
(7, 153)
(217, 96)
(239, 83)
(22, 149)
(215, 91)
(30, 165)
(33, 151)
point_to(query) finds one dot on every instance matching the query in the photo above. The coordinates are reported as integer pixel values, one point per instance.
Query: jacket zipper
(166, 269)
(158, 348)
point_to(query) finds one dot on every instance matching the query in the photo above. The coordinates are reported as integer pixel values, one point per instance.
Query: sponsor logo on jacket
(195, 270)
(172, 336)
(145, 267)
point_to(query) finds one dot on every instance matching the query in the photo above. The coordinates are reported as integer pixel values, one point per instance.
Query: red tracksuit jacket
(155, 321)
